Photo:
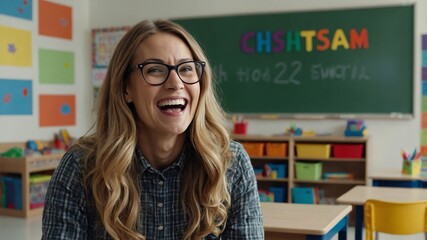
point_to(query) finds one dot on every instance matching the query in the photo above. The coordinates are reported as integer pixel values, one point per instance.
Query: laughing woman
(160, 164)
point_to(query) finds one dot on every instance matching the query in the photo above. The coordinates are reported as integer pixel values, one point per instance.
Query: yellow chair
(394, 217)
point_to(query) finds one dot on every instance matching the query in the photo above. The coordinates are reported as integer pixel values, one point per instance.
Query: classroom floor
(30, 229)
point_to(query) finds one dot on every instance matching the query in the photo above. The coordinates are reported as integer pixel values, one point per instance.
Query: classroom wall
(388, 136)
(20, 128)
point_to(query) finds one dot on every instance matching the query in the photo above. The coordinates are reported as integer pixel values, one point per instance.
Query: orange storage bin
(276, 149)
(254, 149)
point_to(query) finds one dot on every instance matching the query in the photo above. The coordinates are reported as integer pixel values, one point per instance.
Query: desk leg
(340, 228)
(358, 228)
(342, 234)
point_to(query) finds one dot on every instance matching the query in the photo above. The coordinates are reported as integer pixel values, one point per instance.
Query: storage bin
(2, 194)
(313, 150)
(266, 196)
(38, 188)
(280, 194)
(13, 190)
(280, 170)
(305, 195)
(254, 149)
(258, 172)
(347, 150)
(308, 171)
(276, 149)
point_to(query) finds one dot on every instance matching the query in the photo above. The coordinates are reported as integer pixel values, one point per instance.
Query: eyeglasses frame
(170, 68)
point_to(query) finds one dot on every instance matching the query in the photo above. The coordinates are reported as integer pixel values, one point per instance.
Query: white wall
(388, 136)
(20, 128)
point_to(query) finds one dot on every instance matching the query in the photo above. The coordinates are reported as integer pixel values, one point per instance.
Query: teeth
(172, 102)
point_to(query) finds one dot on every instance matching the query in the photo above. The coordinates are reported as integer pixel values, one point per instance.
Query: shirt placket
(160, 215)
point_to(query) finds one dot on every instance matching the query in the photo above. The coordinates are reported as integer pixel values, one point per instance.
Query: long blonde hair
(111, 167)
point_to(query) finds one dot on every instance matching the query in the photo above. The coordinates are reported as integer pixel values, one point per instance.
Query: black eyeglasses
(155, 73)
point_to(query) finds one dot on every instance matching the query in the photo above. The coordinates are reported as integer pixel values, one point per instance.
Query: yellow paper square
(15, 47)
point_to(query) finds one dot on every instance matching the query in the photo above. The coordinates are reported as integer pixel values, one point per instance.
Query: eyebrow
(161, 61)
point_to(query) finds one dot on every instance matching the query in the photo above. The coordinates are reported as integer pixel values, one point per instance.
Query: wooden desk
(305, 221)
(395, 178)
(359, 194)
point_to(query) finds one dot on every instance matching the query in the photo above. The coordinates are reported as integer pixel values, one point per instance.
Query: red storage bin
(347, 150)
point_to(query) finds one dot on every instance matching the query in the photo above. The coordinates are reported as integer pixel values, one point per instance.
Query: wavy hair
(111, 167)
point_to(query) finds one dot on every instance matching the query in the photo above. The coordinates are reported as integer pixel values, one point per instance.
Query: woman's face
(168, 108)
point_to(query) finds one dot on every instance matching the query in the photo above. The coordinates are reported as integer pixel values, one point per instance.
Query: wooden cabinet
(331, 188)
(24, 167)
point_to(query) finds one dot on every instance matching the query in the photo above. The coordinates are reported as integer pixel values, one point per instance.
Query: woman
(160, 164)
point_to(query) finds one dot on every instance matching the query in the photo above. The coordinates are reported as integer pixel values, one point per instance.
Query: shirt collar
(179, 163)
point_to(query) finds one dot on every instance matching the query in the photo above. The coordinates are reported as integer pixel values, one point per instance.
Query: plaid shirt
(70, 211)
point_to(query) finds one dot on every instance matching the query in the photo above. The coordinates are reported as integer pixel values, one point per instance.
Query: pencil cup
(240, 128)
(411, 167)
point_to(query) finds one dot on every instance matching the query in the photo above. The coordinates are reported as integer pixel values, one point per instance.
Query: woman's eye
(186, 69)
(154, 70)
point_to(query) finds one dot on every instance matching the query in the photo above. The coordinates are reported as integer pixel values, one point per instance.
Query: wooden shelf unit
(26, 166)
(333, 188)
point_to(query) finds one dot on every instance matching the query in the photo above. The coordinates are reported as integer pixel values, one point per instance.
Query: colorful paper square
(424, 103)
(56, 67)
(424, 120)
(424, 87)
(424, 42)
(17, 8)
(55, 20)
(16, 97)
(57, 110)
(424, 137)
(15, 47)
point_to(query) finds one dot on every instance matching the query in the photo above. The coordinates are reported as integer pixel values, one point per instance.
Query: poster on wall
(17, 8)
(55, 20)
(15, 47)
(98, 76)
(56, 67)
(16, 97)
(104, 41)
(57, 110)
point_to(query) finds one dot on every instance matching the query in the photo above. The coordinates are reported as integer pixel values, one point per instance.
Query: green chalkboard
(348, 61)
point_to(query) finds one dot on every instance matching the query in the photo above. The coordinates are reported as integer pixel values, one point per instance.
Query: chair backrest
(395, 217)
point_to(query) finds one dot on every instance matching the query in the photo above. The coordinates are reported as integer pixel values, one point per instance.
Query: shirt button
(160, 183)
(160, 228)
(159, 204)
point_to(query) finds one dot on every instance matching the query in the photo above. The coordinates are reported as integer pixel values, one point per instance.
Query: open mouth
(172, 104)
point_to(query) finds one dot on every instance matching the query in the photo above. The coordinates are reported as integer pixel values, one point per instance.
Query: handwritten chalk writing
(253, 74)
(296, 68)
(304, 40)
(339, 71)
(281, 74)
(220, 73)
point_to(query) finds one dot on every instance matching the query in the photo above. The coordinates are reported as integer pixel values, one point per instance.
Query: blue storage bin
(305, 195)
(280, 168)
(13, 190)
(280, 194)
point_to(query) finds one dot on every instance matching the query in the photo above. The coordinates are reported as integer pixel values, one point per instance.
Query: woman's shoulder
(74, 157)
(240, 159)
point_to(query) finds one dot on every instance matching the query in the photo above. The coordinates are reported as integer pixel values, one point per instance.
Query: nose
(173, 81)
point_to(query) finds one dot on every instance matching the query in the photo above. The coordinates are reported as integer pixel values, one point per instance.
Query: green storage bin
(308, 171)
